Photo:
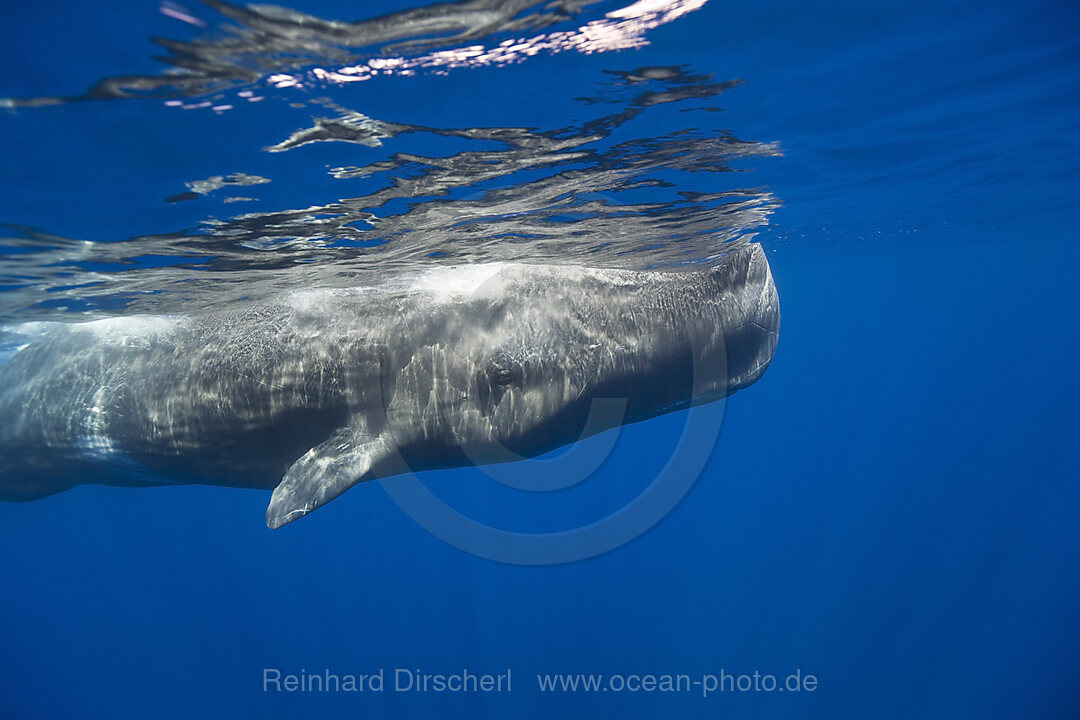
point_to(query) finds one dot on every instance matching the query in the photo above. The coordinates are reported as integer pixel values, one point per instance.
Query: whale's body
(319, 390)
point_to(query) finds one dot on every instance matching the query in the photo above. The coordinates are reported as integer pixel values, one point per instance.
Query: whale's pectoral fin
(324, 472)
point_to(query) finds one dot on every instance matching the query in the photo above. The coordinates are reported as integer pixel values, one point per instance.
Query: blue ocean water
(893, 509)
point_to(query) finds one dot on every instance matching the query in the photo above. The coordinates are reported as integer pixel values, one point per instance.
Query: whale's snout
(750, 313)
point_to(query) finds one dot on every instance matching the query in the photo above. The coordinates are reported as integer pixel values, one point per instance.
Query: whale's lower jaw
(31, 489)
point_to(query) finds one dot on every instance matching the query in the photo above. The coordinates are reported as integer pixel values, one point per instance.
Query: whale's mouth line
(758, 325)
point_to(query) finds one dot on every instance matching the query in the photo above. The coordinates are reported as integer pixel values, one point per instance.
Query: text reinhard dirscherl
(416, 680)
(400, 680)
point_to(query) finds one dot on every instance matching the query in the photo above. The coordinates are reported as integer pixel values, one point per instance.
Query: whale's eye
(501, 369)
(500, 375)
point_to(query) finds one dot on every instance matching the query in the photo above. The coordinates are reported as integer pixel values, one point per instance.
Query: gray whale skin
(321, 389)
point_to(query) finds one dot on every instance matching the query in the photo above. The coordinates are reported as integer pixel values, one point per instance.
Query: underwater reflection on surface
(558, 196)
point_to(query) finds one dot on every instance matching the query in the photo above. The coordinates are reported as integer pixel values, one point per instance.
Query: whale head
(496, 363)
(525, 355)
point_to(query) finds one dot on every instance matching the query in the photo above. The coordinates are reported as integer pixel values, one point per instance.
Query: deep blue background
(893, 508)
